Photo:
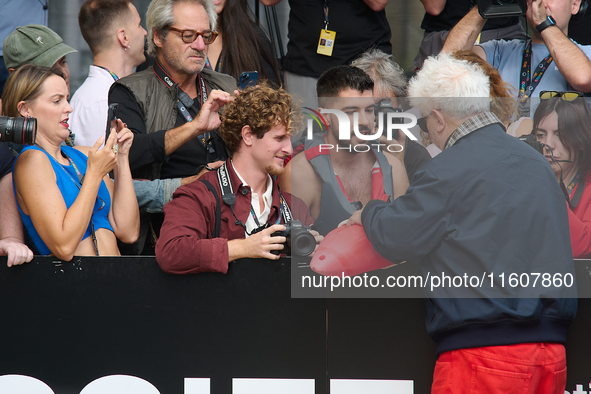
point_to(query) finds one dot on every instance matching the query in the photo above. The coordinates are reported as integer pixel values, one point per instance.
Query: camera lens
(302, 243)
(18, 130)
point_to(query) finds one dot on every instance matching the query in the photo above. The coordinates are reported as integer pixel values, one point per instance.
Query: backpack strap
(218, 213)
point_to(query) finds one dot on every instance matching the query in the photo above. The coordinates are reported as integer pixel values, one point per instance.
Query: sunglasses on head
(567, 96)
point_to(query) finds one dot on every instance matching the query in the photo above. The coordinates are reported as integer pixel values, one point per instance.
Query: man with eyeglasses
(172, 107)
(488, 206)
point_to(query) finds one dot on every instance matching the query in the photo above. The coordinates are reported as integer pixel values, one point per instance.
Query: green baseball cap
(36, 44)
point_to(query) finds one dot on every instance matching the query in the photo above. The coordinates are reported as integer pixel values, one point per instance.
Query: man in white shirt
(112, 29)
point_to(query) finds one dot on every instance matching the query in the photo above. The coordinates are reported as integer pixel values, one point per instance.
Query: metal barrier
(69, 324)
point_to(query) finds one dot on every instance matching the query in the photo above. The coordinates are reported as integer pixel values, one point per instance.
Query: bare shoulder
(31, 162)
(301, 166)
(299, 172)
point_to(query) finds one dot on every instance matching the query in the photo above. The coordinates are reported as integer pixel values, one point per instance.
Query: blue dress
(69, 184)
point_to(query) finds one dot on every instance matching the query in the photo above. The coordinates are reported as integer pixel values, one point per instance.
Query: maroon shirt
(186, 245)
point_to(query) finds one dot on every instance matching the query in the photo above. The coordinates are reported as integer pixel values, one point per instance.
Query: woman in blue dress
(69, 204)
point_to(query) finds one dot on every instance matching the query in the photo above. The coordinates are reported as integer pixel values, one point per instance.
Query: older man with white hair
(486, 207)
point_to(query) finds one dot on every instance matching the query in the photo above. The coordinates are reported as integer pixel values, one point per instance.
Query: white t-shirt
(90, 104)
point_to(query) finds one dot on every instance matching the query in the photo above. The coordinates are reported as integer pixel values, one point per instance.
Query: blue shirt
(506, 56)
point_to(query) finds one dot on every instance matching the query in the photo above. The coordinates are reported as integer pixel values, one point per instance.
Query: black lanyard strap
(527, 84)
(184, 101)
(79, 186)
(579, 182)
(229, 197)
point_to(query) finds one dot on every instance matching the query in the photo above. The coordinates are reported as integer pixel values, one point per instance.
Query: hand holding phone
(248, 78)
(112, 123)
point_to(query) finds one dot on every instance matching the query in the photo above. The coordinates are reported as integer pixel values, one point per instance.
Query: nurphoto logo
(388, 122)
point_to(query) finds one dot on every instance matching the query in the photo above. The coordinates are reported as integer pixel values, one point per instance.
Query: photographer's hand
(355, 218)
(318, 239)
(257, 245)
(538, 10)
(399, 147)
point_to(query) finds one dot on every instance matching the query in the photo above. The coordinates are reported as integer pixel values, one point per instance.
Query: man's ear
(122, 38)
(575, 7)
(325, 116)
(23, 108)
(247, 135)
(157, 39)
(439, 121)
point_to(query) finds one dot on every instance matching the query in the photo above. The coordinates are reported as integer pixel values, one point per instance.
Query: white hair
(457, 87)
(159, 16)
(386, 74)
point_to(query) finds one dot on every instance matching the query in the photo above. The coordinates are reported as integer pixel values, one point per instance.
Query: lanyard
(254, 215)
(229, 198)
(184, 101)
(527, 85)
(113, 75)
(577, 180)
(325, 14)
(79, 185)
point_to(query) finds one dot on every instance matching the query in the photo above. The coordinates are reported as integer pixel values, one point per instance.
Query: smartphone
(111, 121)
(248, 78)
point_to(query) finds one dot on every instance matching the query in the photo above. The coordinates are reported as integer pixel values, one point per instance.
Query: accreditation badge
(326, 42)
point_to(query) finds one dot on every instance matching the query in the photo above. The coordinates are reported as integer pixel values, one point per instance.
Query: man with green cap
(36, 44)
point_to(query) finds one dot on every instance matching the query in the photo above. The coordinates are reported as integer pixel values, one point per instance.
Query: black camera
(385, 106)
(501, 8)
(18, 130)
(300, 241)
(530, 139)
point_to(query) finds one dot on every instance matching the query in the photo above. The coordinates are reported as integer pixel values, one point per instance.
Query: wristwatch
(547, 23)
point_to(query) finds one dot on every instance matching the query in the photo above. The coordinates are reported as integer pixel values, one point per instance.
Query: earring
(127, 47)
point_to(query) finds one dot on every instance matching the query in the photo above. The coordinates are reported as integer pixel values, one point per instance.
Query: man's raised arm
(464, 34)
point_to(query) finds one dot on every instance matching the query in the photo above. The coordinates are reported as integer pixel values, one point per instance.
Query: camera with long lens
(501, 8)
(300, 241)
(530, 139)
(18, 130)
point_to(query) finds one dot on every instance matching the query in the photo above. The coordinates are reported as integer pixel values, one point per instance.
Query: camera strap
(229, 198)
(579, 182)
(218, 214)
(184, 101)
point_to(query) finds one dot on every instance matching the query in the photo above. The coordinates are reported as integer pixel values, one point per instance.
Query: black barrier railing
(68, 324)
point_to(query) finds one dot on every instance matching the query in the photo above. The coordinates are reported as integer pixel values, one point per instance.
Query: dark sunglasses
(189, 36)
(567, 96)
(422, 122)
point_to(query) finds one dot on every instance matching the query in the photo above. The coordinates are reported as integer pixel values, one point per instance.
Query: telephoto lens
(18, 130)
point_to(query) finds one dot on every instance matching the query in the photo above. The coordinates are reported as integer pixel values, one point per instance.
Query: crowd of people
(201, 174)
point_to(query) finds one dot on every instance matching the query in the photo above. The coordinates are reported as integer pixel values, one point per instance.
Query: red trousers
(536, 368)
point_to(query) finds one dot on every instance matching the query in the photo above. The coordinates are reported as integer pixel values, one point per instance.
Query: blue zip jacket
(488, 205)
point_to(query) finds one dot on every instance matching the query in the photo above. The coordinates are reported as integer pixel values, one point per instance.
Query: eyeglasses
(422, 122)
(567, 96)
(189, 36)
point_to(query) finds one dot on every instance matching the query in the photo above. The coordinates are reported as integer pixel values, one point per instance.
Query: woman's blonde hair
(24, 85)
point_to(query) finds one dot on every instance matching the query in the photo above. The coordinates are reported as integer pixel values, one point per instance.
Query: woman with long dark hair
(241, 45)
(563, 125)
